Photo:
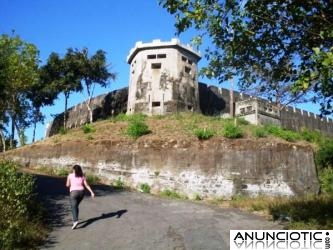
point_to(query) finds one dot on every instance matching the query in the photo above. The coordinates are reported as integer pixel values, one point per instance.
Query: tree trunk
(65, 113)
(3, 140)
(20, 133)
(34, 131)
(88, 103)
(12, 136)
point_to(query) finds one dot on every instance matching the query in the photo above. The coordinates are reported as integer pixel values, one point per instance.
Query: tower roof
(158, 44)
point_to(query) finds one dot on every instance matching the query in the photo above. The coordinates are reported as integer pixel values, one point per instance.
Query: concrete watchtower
(163, 78)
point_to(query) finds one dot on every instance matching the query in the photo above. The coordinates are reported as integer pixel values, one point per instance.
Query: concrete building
(258, 111)
(163, 78)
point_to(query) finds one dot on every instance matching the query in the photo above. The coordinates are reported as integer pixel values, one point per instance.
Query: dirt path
(128, 220)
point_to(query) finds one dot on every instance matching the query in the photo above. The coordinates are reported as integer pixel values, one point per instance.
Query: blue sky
(113, 26)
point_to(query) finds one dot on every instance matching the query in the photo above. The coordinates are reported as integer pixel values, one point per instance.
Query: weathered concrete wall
(163, 78)
(214, 168)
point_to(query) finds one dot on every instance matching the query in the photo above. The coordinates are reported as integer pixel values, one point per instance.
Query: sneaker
(74, 224)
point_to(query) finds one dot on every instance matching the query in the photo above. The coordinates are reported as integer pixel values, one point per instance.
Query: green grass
(172, 194)
(145, 188)
(203, 133)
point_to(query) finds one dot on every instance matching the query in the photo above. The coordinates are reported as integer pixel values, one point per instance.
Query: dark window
(184, 59)
(187, 70)
(156, 104)
(189, 61)
(151, 56)
(156, 65)
(161, 56)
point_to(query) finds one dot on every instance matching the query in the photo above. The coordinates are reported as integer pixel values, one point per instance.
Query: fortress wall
(213, 101)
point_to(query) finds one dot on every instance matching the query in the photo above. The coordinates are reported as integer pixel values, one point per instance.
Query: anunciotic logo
(280, 239)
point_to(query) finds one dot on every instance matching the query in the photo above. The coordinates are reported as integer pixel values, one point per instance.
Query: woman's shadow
(86, 223)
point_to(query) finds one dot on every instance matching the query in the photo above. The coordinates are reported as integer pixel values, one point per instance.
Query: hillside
(172, 157)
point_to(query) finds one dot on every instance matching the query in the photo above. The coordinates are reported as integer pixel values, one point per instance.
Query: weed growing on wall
(119, 184)
(231, 131)
(145, 188)
(137, 128)
(203, 133)
(92, 179)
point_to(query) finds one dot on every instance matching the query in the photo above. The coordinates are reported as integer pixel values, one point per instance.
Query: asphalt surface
(130, 220)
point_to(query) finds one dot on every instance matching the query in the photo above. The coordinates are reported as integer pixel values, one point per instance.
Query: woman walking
(76, 182)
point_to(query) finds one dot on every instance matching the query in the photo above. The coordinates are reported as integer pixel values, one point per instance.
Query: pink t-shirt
(76, 182)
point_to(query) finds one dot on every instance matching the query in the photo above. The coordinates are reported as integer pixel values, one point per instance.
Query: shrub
(137, 128)
(287, 135)
(119, 184)
(62, 131)
(171, 194)
(326, 180)
(311, 135)
(144, 187)
(260, 132)
(121, 117)
(88, 128)
(62, 172)
(231, 131)
(92, 179)
(20, 214)
(204, 134)
(311, 212)
(324, 155)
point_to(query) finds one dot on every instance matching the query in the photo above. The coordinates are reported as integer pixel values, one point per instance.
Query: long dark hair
(78, 171)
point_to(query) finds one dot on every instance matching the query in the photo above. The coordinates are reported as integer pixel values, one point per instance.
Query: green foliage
(324, 155)
(20, 214)
(62, 131)
(119, 184)
(312, 212)
(260, 132)
(171, 194)
(231, 131)
(63, 172)
(287, 135)
(311, 135)
(248, 42)
(144, 187)
(137, 128)
(326, 180)
(92, 179)
(121, 117)
(203, 133)
(88, 128)
(242, 121)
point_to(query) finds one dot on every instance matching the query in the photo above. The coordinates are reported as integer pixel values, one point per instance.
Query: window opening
(156, 65)
(187, 70)
(151, 56)
(161, 56)
(156, 104)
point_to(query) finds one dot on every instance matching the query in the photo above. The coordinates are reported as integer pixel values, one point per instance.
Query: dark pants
(76, 197)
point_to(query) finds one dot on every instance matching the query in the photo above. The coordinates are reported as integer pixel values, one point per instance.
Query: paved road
(128, 220)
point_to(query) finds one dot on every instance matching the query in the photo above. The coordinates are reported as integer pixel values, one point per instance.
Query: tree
(63, 75)
(93, 71)
(41, 93)
(273, 46)
(19, 65)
